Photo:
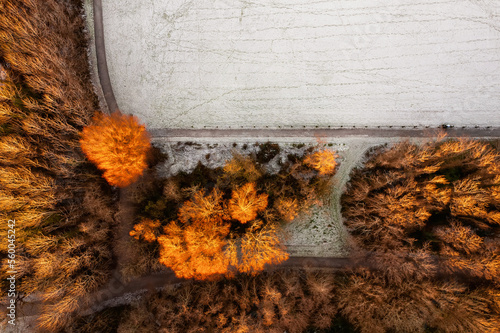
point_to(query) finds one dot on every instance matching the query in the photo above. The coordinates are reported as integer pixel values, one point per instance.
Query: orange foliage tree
(117, 144)
(146, 229)
(245, 203)
(200, 247)
(229, 222)
(242, 167)
(322, 161)
(260, 246)
(196, 251)
(203, 208)
(288, 208)
(201, 250)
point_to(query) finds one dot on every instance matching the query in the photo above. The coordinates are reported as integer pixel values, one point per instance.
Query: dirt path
(124, 293)
(102, 65)
(125, 222)
(350, 161)
(352, 132)
(117, 292)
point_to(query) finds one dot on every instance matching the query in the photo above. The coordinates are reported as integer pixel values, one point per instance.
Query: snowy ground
(220, 63)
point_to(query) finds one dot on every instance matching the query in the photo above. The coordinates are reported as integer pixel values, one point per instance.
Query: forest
(424, 252)
(63, 208)
(89, 206)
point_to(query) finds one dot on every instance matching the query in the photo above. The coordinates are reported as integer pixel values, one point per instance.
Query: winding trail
(110, 296)
(117, 292)
(340, 179)
(102, 64)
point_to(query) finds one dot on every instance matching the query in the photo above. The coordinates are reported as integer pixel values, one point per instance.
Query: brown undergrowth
(62, 208)
(306, 301)
(428, 214)
(270, 302)
(440, 198)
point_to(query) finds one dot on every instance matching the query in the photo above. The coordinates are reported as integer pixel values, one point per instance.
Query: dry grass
(428, 215)
(274, 302)
(443, 193)
(62, 209)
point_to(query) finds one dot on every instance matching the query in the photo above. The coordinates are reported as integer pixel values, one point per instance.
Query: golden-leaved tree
(197, 251)
(118, 145)
(288, 208)
(200, 245)
(260, 246)
(245, 203)
(146, 229)
(203, 208)
(323, 161)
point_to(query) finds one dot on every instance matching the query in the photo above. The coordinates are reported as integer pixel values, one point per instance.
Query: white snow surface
(220, 63)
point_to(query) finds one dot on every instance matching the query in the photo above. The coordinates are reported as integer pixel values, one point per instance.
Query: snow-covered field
(184, 63)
